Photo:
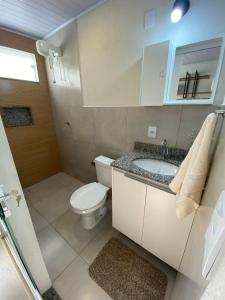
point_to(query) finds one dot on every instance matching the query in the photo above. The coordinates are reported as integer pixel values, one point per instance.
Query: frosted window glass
(16, 64)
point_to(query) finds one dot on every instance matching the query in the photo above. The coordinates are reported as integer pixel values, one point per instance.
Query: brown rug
(51, 295)
(124, 275)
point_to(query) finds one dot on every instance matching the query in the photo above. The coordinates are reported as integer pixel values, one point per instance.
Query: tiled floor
(67, 248)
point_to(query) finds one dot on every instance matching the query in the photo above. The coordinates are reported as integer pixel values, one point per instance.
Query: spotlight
(180, 8)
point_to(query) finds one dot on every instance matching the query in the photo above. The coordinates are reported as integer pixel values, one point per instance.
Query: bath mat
(51, 295)
(124, 275)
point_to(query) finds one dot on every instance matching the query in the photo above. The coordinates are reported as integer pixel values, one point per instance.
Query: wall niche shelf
(16, 116)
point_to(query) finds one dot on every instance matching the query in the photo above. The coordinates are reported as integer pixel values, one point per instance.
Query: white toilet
(89, 200)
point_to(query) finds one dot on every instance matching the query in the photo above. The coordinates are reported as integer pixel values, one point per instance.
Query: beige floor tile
(38, 221)
(95, 246)
(75, 283)
(43, 189)
(67, 180)
(56, 252)
(51, 197)
(54, 205)
(51, 186)
(70, 228)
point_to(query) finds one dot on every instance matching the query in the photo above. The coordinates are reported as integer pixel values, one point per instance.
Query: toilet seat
(88, 198)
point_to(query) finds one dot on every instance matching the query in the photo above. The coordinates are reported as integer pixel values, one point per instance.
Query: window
(16, 64)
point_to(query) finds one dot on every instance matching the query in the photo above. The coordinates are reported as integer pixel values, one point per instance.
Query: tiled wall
(108, 131)
(34, 148)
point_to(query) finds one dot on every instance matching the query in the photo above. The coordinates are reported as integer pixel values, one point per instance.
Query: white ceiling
(38, 18)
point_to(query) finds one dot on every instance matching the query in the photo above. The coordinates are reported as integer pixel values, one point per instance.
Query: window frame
(36, 71)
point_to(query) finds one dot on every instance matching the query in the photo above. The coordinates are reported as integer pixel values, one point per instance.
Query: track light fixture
(180, 8)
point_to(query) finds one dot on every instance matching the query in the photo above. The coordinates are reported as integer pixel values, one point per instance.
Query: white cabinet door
(164, 235)
(128, 204)
(154, 74)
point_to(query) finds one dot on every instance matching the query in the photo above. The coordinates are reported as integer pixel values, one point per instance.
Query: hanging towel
(189, 182)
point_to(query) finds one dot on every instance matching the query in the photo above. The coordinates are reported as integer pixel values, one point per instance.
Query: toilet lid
(88, 196)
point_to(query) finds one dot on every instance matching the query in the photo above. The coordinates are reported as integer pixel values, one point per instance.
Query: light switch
(150, 19)
(152, 130)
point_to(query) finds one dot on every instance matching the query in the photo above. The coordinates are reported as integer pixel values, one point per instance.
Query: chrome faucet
(165, 149)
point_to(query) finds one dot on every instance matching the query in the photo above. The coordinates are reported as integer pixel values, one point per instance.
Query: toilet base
(89, 221)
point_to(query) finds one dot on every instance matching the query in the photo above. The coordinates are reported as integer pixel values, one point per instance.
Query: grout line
(34, 208)
(100, 231)
(76, 254)
(72, 261)
(126, 126)
(179, 126)
(79, 255)
(88, 244)
(53, 221)
(84, 261)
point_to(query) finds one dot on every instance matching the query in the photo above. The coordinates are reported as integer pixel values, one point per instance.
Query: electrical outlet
(152, 130)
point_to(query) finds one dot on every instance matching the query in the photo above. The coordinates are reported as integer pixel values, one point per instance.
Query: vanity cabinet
(128, 205)
(147, 216)
(163, 234)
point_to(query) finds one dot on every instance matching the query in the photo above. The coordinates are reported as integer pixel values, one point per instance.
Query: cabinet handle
(195, 85)
(186, 85)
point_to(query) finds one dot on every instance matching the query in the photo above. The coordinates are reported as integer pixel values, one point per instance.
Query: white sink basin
(156, 166)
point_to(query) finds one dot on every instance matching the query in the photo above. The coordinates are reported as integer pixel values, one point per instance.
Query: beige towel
(189, 182)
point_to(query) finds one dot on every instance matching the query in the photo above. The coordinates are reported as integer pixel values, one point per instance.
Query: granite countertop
(143, 150)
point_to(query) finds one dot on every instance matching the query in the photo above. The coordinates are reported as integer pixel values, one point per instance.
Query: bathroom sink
(156, 166)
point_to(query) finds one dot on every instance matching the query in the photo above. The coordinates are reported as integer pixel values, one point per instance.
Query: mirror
(195, 71)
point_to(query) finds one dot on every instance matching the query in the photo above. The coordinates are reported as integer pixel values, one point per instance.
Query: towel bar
(220, 112)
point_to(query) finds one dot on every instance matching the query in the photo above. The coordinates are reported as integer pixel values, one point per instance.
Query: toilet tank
(104, 170)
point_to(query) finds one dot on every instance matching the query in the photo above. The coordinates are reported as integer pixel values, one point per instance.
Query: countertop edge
(145, 180)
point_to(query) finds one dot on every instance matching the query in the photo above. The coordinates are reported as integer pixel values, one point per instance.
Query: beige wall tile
(165, 118)
(191, 121)
(110, 127)
(67, 147)
(82, 123)
(61, 116)
(83, 155)
(108, 151)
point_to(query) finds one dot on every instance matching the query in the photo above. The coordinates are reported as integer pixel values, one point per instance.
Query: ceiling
(38, 18)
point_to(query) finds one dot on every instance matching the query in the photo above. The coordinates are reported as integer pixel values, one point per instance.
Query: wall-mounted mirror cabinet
(194, 72)
(187, 74)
